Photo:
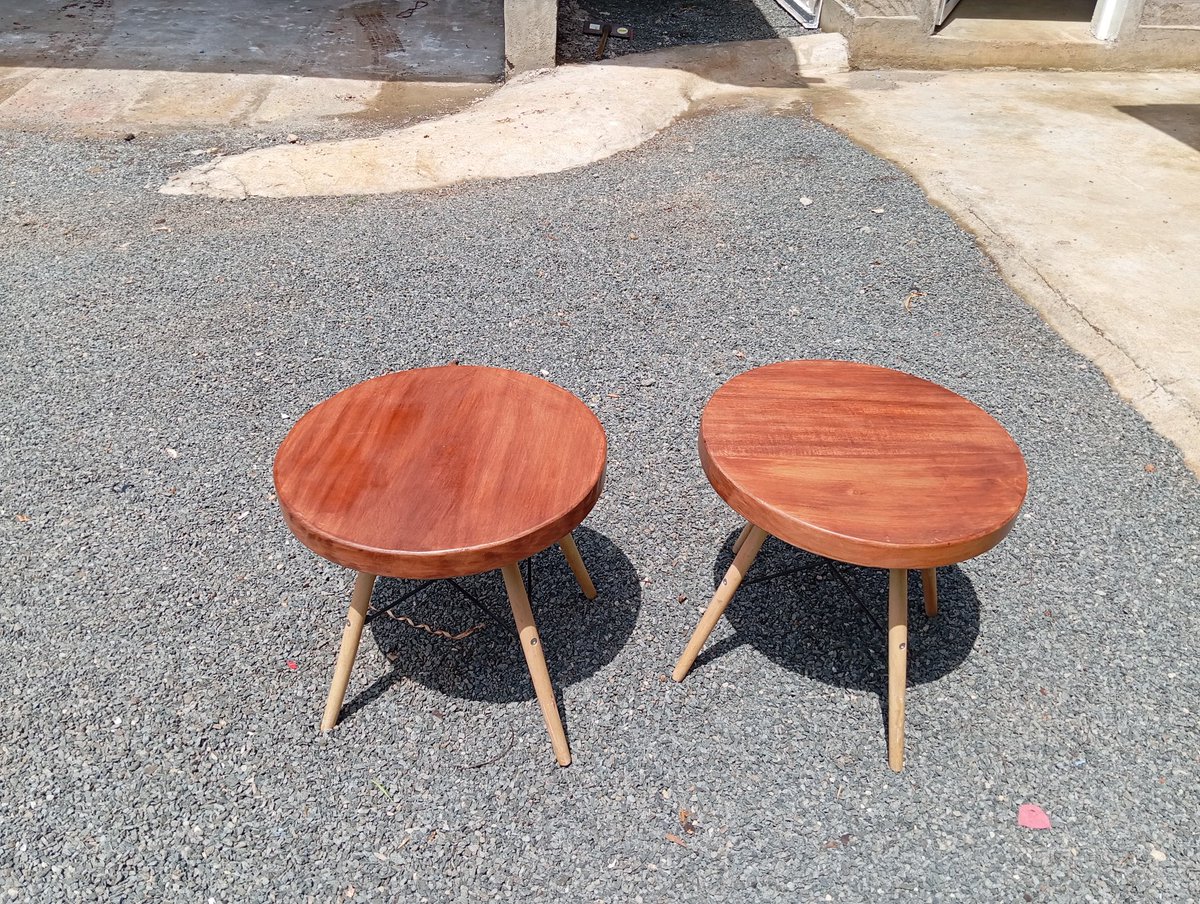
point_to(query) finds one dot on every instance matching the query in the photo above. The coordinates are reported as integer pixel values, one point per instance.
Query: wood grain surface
(862, 464)
(441, 471)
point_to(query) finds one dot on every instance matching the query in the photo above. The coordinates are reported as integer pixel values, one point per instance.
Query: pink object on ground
(1031, 816)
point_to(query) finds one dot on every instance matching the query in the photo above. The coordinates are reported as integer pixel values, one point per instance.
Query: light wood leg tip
(896, 753)
(331, 717)
(531, 646)
(754, 538)
(360, 602)
(897, 663)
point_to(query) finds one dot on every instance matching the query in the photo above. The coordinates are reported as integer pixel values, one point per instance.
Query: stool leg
(741, 538)
(725, 591)
(359, 601)
(575, 560)
(897, 664)
(929, 585)
(531, 646)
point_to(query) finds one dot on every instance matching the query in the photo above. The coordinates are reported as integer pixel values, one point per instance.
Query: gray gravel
(156, 744)
(669, 23)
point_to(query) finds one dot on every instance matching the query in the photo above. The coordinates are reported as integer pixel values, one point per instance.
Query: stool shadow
(809, 624)
(579, 636)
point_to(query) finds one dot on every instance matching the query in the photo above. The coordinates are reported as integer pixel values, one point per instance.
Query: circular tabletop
(862, 464)
(440, 472)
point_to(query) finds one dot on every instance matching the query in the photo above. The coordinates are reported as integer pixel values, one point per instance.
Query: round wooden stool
(439, 473)
(864, 465)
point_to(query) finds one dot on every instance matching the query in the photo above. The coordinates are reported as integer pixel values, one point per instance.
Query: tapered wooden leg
(359, 601)
(897, 664)
(929, 586)
(531, 646)
(575, 560)
(729, 584)
(741, 538)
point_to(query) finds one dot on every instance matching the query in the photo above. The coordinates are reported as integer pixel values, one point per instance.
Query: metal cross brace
(467, 594)
(841, 578)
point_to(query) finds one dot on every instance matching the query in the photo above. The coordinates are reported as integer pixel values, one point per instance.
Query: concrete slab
(539, 123)
(1085, 188)
(158, 63)
(1058, 21)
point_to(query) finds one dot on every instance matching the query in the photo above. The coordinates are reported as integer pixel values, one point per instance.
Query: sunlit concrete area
(1084, 187)
(113, 62)
(1135, 35)
(1020, 20)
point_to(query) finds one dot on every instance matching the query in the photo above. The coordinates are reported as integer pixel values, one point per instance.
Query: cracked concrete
(1085, 189)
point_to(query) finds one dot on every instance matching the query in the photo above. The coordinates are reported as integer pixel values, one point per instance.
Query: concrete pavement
(118, 65)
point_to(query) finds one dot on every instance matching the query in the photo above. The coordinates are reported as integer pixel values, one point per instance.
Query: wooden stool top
(862, 464)
(440, 472)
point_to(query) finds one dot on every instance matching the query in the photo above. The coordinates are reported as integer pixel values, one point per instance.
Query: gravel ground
(166, 645)
(667, 23)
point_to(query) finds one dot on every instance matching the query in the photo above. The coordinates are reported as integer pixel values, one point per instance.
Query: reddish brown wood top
(862, 464)
(440, 472)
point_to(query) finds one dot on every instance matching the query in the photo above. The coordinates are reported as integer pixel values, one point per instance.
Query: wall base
(530, 35)
(882, 42)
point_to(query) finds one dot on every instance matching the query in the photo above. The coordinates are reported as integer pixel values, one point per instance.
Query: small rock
(293, 138)
(130, 136)
(1157, 856)
(804, 202)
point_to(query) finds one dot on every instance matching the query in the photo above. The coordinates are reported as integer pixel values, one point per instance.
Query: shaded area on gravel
(155, 743)
(668, 23)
